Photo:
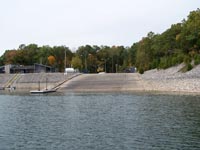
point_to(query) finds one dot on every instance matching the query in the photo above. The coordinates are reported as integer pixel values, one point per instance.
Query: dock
(42, 91)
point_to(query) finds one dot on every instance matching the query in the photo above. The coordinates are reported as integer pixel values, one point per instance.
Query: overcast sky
(79, 22)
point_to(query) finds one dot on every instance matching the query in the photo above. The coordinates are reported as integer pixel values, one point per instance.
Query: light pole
(116, 65)
(105, 65)
(85, 63)
(112, 64)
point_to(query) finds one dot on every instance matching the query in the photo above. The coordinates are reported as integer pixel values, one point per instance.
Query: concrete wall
(7, 69)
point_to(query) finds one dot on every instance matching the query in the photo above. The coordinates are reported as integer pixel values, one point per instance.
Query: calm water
(99, 122)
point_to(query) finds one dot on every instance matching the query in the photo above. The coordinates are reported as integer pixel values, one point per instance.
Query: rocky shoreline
(172, 80)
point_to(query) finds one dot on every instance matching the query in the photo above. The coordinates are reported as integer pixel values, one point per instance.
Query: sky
(74, 23)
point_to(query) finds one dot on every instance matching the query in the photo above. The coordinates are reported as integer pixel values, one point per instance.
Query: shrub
(187, 59)
(186, 68)
(180, 58)
(154, 64)
(141, 70)
(175, 61)
(189, 67)
(164, 63)
(197, 60)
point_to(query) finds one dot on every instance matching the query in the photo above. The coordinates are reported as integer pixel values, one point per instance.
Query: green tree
(77, 63)
(59, 53)
(144, 55)
(44, 53)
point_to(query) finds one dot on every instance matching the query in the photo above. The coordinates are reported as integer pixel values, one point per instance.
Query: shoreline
(166, 82)
(172, 80)
(131, 92)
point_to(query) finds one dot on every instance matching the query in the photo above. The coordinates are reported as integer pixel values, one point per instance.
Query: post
(39, 86)
(65, 61)
(46, 82)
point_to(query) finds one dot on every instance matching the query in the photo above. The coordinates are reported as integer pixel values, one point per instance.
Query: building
(43, 68)
(36, 68)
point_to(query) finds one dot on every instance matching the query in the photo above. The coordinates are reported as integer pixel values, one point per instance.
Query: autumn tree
(9, 56)
(51, 60)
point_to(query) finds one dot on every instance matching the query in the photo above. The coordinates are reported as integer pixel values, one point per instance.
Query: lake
(99, 121)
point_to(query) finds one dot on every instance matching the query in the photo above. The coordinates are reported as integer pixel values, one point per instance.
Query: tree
(77, 63)
(59, 53)
(144, 55)
(43, 54)
(132, 54)
(88, 55)
(31, 51)
(9, 56)
(51, 60)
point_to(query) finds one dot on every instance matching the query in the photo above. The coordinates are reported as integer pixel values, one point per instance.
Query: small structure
(70, 70)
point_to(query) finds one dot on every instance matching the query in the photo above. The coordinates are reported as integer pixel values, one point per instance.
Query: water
(99, 122)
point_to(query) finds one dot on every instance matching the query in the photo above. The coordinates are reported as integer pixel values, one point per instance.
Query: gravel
(172, 80)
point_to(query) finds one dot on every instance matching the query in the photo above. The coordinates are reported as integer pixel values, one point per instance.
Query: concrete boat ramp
(104, 83)
(36, 82)
(73, 83)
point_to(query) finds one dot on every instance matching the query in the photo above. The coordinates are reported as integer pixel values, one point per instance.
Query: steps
(12, 80)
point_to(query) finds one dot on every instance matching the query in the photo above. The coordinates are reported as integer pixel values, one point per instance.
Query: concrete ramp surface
(105, 82)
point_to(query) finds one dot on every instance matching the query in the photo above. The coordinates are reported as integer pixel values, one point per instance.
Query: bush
(197, 60)
(175, 61)
(186, 68)
(187, 59)
(141, 70)
(164, 63)
(189, 67)
(154, 64)
(180, 58)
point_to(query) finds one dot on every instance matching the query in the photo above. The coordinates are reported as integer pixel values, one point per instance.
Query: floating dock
(42, 91)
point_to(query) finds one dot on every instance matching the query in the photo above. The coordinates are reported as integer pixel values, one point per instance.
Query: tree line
(180, 43)
(91, 59)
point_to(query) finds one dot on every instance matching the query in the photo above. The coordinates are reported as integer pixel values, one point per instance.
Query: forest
(178, 44)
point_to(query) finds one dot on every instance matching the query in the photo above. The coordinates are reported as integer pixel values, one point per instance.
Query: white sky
(75, 23)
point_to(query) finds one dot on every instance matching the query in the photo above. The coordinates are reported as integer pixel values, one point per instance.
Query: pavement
(104, 82)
